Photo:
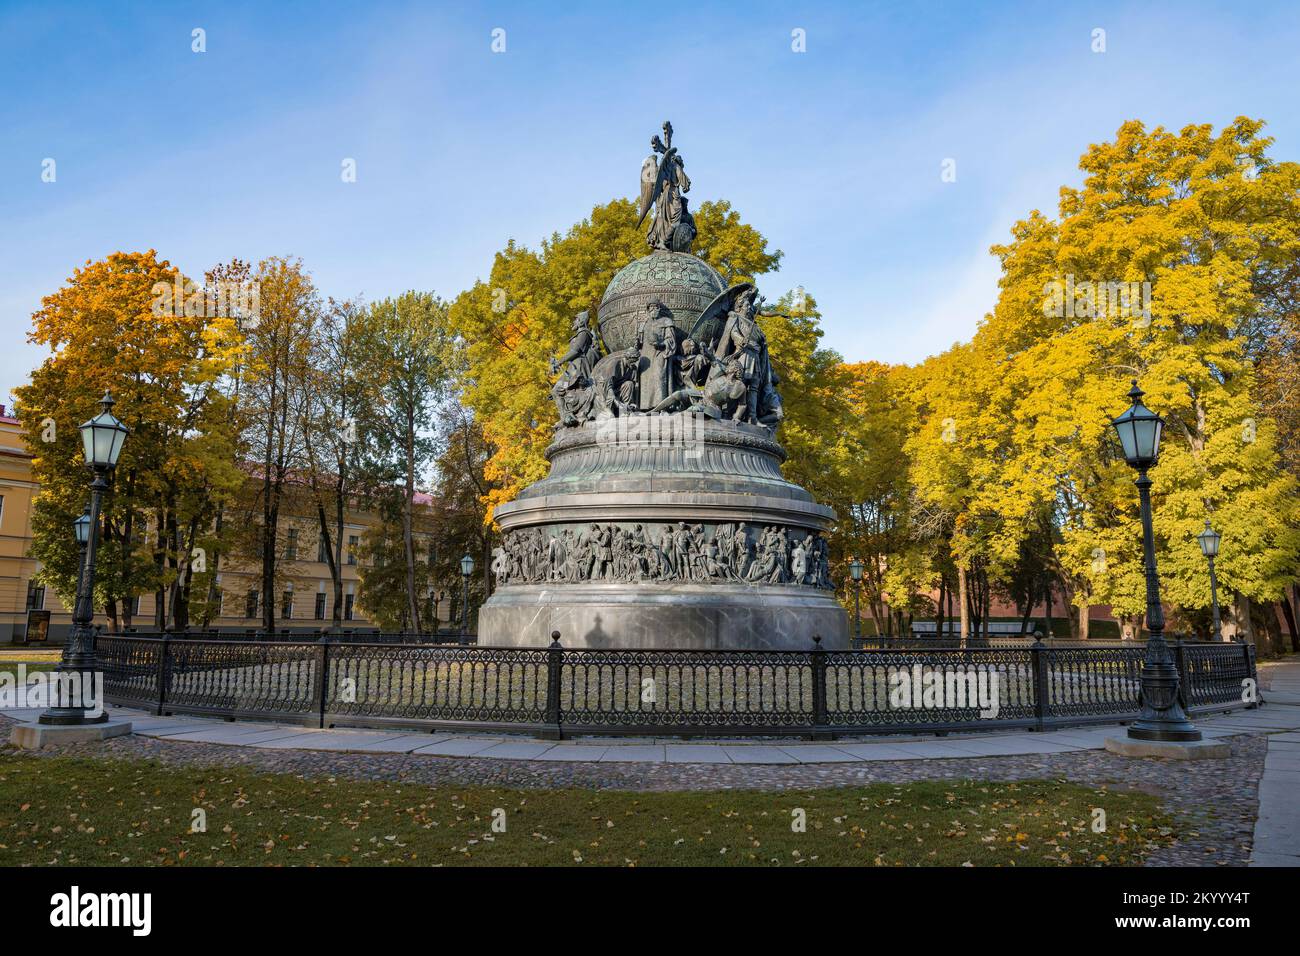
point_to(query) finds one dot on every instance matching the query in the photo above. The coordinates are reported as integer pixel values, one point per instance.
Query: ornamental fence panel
(555, 691)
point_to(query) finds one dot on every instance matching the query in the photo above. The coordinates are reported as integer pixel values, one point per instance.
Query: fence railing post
(821, 722)
(322, 679)
(554, 669)
(1184, 683)
(164, 672)
(1039, 663)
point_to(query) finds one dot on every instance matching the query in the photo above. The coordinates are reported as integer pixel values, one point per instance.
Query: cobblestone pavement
(1216, 800)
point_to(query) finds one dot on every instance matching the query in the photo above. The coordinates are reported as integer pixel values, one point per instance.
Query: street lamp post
(1209, 541)
(855, 572)
(101, 439)
(466, 569)
(1162, 716)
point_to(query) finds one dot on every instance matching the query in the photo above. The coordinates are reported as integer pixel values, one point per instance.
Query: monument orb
(665, 521)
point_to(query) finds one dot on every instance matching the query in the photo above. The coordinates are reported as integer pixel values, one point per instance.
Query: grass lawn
(34, 660)
(65, 810)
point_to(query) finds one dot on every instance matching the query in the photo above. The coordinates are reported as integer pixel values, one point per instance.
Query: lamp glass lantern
(1139, 430)
(1209, 541)
(81, 527)
(466, 565)
(855, 569)
(102, 436)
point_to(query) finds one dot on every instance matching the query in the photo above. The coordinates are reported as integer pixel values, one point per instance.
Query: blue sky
(834, 154)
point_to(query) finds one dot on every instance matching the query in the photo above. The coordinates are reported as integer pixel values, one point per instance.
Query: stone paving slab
(330, 741)
(635, 753)
(163, 727)
(755, 753)
(217, 733)
(404, 744)
(695, 753)
(818, 753)
(264, 736)
(512, 750)
(942, 749)
(1077, 738)
(459, 746)
(878, 752)
(1277, 828)
(577, 752)
(1011, 746)
(1278, 760)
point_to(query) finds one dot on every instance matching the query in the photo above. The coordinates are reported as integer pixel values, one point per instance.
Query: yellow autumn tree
(132, 325)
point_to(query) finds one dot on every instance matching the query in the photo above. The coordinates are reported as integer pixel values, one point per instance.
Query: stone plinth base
(675, 617)
(1175, 749)
(34, 736)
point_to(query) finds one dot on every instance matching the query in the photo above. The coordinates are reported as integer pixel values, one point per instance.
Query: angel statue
(663, 181)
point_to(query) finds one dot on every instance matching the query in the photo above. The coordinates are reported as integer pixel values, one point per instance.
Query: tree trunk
(1028, 612)
(1047, 611)
(963, 602)
(336, 572)
(987, 611)
(270, 522)
(1291, 598)
(1241, 619)
(213, 588)
(1285, 605)
(1268, 628)
(939, 606)
(408, 531)
(1085, 621)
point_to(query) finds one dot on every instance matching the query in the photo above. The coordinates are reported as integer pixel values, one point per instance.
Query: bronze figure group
(673, 551)
(722, 370)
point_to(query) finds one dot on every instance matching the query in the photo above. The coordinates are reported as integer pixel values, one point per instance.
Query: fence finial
(555, 638)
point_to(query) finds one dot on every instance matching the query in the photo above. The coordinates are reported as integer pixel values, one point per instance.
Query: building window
(134, 604)
(320, 605)
(221, 602)
(354, 543)
(2, 515)
(291, 545)
(250, 605)
(35, 596)
(286, 605)
(321, 552)
(347, 607)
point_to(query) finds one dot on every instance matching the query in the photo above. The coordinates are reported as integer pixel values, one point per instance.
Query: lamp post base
(69, 717)
(1182, 731)
(34, 736)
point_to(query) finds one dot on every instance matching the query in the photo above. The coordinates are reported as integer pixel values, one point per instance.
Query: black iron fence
(931, 641)
(446, 635)
(554, 691)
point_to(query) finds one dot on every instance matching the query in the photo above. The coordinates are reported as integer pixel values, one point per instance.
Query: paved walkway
(1275, 718)
(1277, 829)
